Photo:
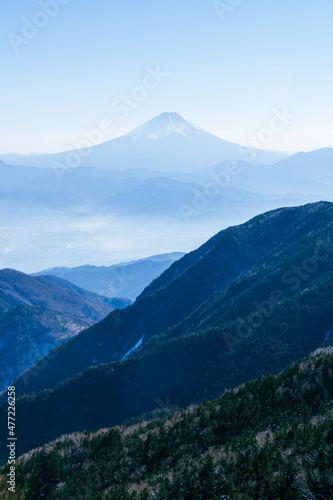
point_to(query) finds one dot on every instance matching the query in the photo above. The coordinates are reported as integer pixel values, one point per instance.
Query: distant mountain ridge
(310, 173)
(126, 279)
(53, 293)
(37, 206)
(166, 143)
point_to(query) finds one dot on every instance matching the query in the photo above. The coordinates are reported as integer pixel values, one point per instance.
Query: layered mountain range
(49, 206)
(253, 299)
(250, 301)
(126, 279)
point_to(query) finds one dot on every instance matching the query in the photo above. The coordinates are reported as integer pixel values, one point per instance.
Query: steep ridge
(223, 259)
(228, 340)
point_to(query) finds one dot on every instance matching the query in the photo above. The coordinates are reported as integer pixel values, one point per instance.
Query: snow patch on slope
(137, 345)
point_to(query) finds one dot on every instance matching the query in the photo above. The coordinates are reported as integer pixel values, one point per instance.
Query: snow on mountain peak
(162, 126)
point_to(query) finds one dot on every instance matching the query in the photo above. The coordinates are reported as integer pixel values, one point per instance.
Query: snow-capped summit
(164, 125)
(165, 143)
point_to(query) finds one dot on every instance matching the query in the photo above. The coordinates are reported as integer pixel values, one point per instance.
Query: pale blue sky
(225, 75)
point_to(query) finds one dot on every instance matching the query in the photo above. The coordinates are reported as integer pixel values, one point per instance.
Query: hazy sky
(226, 72)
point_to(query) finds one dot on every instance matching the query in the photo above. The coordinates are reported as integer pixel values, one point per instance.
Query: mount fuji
(166, 143)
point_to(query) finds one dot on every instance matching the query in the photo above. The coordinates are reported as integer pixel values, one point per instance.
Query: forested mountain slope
(187, 285)
(271, 438)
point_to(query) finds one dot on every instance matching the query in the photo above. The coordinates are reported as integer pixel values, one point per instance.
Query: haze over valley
(166, 250)
(47, 211)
